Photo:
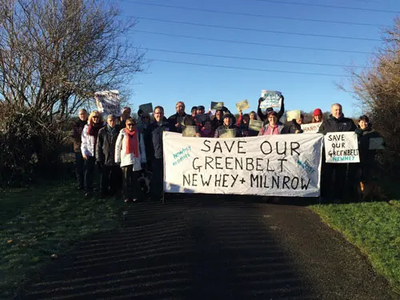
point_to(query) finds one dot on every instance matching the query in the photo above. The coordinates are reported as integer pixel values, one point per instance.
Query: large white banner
(341, 147)
(274, 165)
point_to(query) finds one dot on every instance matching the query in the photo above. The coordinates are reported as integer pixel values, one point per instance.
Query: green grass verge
(37, 222)
(374, 227)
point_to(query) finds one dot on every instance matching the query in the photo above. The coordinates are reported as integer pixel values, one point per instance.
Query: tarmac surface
(209, 247)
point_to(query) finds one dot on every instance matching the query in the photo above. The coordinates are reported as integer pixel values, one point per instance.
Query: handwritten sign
(311, 128)
(108, 102)
(341, 147)
(376, 144)
(228, 133)
(275, 165)
(190, 131)
(256, 125)
(146, 108)
(293, 114)
(216, 105)
(242, 105)
(271, 99)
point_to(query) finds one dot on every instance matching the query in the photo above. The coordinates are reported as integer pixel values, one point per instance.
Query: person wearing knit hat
(317, 116)
(228, 127)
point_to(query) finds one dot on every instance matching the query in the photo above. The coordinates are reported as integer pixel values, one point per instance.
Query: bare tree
(54, 54)
(378, 89)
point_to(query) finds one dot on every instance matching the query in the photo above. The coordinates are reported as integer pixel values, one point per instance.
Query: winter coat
(222, 129)
(367, 156)
(215, 123)
(129, 159)
(88, 142)
(105, 149)
(76, 133)
(153, 138)
(292, 127)
(177, 119)
(337, 125)
(264, 129)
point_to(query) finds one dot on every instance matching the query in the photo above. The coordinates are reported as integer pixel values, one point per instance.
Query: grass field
(38, 224)
(374, 227)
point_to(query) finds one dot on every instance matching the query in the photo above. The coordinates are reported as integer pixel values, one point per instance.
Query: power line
(262, 16)
(251, 58)
(250, 43)
(247, 69)
(255, 30)
(330, 6)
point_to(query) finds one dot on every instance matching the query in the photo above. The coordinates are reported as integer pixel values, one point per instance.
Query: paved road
(213, 248)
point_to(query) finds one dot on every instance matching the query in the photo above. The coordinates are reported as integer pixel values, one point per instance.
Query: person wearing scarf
(130, 153)
(110, 181)
(88, 148)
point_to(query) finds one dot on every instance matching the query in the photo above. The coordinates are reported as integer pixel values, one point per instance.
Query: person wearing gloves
(88, 147)
(264, 117)
(110, 180)
(130, 153)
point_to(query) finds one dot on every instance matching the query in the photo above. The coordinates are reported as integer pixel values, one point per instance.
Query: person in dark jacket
(154, 135)
(228, 129)
(264, 116)
(367, 157)
(111, 175)
(218, 119)
(334, 175)
(294, 126)
(177, 119)
(76, 139)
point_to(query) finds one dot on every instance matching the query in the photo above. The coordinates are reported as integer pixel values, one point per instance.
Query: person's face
(252, 116)
(96, 119)
(193, 113)
(218, 115)
(318, 118)
(111, 122)
(158, 115)
(363, 124)
(299, 121)
(246, 120)
(82, 115)
(180, 108)
(130, 125)
(336, 111)
(207, 125)
(127, 111)
(227, 121)
(272, 119)
(200, 111)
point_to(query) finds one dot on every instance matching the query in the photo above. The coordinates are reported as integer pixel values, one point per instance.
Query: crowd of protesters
(122, 149)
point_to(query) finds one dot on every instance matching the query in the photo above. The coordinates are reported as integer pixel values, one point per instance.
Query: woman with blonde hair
(88, 146)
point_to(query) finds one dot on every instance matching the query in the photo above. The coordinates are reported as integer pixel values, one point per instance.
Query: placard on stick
(341, 147)
(107, 102)
(293, 114)
(256, 125)
(376, 144)
(271, 99)
(216, 105)
(146, 108)
(189, 131)
(242, 105)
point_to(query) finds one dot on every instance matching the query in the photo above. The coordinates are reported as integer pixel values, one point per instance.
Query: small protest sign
(216, 105)
(293, 114)
(228, 133)
(271, 99)
(311, 128)
(146, 108)
(242, 105)
(107, 102)
(376, 144)
(189, 131)
(341, 147)
(256, 125)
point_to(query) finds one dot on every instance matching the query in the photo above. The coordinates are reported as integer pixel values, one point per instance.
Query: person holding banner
(264, 117)
(244, 127)
(218, 119)
(207, 129)
(334, 174)
(228, 129)
(154, 134)
(88, 147)
(273, 126)
(76, 139)
(130, 153)
(177, 118)
(253, 115)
